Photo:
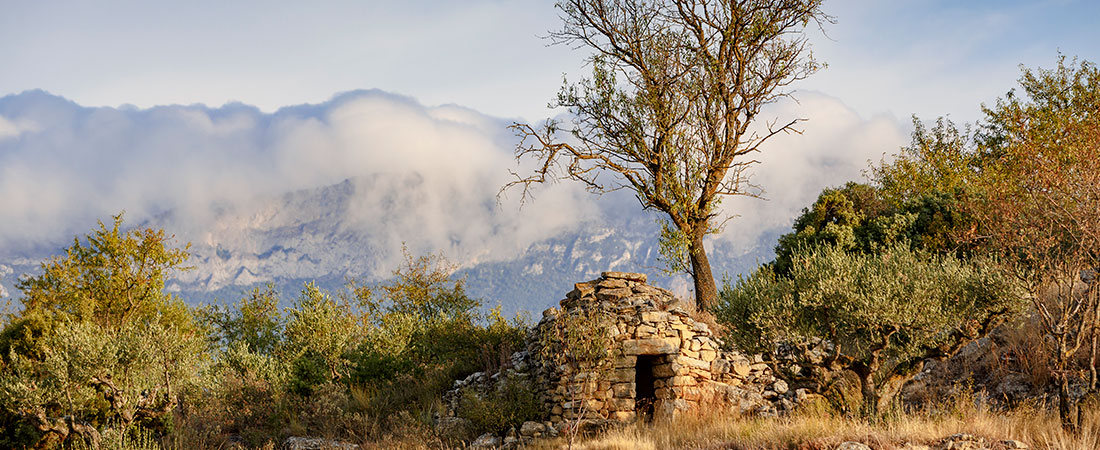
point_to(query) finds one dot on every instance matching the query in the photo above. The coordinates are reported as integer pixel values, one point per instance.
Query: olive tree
(877, 316)
(319, 331)
(673, 109)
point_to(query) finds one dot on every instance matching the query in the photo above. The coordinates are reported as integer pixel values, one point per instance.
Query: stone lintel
(657, 346)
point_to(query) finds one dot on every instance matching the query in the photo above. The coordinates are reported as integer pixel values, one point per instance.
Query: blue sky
(483, 54)
(65, 164)
(932, 57)
(929, 57)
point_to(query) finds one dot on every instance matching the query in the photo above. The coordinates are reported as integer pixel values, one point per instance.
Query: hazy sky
(929, 57)
(116, 146)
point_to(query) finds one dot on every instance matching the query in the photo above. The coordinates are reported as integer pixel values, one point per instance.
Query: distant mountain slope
(311, 235)
(308, 236)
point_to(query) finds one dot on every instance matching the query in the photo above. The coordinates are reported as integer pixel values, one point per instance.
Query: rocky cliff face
(319, 235)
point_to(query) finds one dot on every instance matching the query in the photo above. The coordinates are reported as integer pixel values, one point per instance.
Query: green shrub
(365, 362)
(99, 341)
(857, 218)
(514, 402)
(422, 332)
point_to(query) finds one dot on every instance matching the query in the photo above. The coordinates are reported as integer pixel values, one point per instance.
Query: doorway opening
(645, 391)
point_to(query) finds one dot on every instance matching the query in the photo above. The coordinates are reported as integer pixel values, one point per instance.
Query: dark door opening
(645, 393)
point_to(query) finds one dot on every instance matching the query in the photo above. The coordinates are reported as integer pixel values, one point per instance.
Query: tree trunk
(889, 391)
(1067, 407)
(64, 428)
(871, 397)
(87, 432)
(706, 291)
(1093, 378)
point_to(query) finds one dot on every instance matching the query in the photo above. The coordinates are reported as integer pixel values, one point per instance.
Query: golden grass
(818, 429)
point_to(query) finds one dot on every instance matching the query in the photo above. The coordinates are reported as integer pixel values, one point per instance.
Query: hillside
(314, 235)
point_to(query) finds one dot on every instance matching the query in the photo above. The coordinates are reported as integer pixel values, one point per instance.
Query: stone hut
(657, 361)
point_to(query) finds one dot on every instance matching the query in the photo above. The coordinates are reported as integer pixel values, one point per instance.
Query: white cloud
(835, 147)
(11, 130)
(425, 176)
(273, 53)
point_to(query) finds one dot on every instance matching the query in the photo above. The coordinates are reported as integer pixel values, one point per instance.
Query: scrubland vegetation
(988, 233)
(963, 235)
(100, 354)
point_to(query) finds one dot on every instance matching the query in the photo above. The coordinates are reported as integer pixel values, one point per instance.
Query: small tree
(422, 332)
(255, 321)
(1042, 209)
(669, 113)
(879, 315)
(319, 331)
(940, 158)
(98, 340)
(861, 218)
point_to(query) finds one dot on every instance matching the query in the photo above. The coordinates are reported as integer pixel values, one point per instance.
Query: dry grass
(814, 428)
(817, 429)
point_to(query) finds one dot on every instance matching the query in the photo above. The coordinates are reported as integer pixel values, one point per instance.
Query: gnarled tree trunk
(65, 427)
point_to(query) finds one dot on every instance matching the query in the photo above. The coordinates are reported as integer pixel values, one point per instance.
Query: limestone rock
(610, 295)
(308, 443)
(659, 362)
(664, 346)
(487, 441)
(636, 277)
(852, 445)
(612, 283)
(532, 429)
(962, 441)
(453, 427)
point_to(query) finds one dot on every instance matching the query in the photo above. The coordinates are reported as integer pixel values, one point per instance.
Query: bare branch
(676, 87)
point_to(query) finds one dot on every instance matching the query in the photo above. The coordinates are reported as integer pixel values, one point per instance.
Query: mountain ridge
(310, 235)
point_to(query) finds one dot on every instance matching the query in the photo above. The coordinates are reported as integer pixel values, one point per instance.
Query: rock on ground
(308, 443)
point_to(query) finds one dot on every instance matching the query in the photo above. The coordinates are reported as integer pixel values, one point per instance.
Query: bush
(364, 362)
(857, 218)
(422, 332)
(512, 403)
(99, 342)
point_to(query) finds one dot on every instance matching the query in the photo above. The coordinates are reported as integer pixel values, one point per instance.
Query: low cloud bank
(835, 146)
(63, 166)
(428, 176)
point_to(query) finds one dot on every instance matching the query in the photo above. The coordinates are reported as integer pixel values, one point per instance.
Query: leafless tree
(1043, 212)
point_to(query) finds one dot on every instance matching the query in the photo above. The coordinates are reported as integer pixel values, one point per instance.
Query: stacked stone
(689, 366)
